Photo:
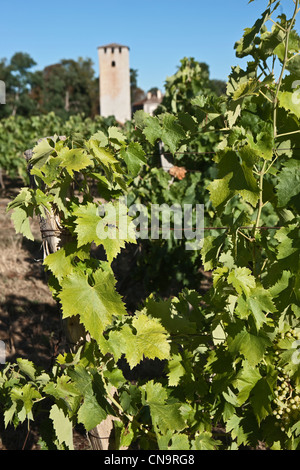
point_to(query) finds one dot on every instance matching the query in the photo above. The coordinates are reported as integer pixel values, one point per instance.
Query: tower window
(113, 64)
(120, 49)
(112, 50)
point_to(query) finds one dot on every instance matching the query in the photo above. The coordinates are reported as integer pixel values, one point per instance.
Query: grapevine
(17, 133)
(228, 358)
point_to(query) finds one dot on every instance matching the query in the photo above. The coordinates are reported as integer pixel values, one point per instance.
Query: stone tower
(115, 82)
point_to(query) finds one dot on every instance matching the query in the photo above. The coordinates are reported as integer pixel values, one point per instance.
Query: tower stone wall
(115, 82)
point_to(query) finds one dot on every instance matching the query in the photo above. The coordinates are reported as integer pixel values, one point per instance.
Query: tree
(69, 87)
(137, 94)
(218, 86)
(19, 80)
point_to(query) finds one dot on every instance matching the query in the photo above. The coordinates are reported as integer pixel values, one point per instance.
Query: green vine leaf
(234, 179)
(252, 346)
(175, 370)
(108, 225)
(20, 218)
(74, 159)
(41, 153)
(134, 157)
(101, 154)
(164, 416)
(288, 185)
(62, 262)
(287, 101)
(152, 129)
(245, 381)
(261, 398)
(62, 427)
(96, 303)
(172, 132)
(242, 280)
(146, 338)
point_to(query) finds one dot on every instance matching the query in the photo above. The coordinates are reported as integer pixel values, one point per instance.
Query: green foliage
(188, 91)
(66, 88)
(230, 357)
(190, 80)
(190, 96)
(18, 134)
(19, 79)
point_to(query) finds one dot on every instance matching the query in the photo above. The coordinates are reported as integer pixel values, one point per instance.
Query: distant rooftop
(155, 97)
(113, 44)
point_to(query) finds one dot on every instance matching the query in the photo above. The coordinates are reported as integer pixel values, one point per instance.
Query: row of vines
(17, 133)
(230, 374)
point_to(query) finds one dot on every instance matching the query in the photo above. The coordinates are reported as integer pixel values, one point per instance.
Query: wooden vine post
(54, 236)
(2, 185)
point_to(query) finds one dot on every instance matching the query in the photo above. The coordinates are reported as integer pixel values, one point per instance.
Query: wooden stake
(54, 236)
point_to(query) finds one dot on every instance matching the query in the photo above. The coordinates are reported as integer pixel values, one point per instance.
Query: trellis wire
(205, 153)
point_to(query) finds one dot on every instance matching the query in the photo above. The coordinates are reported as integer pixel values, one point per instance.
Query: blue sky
(159, 33)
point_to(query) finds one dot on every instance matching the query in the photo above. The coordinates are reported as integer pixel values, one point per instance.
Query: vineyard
(128, 327)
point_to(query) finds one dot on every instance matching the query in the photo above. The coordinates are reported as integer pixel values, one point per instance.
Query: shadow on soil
(33, 330)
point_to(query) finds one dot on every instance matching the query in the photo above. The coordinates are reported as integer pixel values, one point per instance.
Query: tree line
(66, 88)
